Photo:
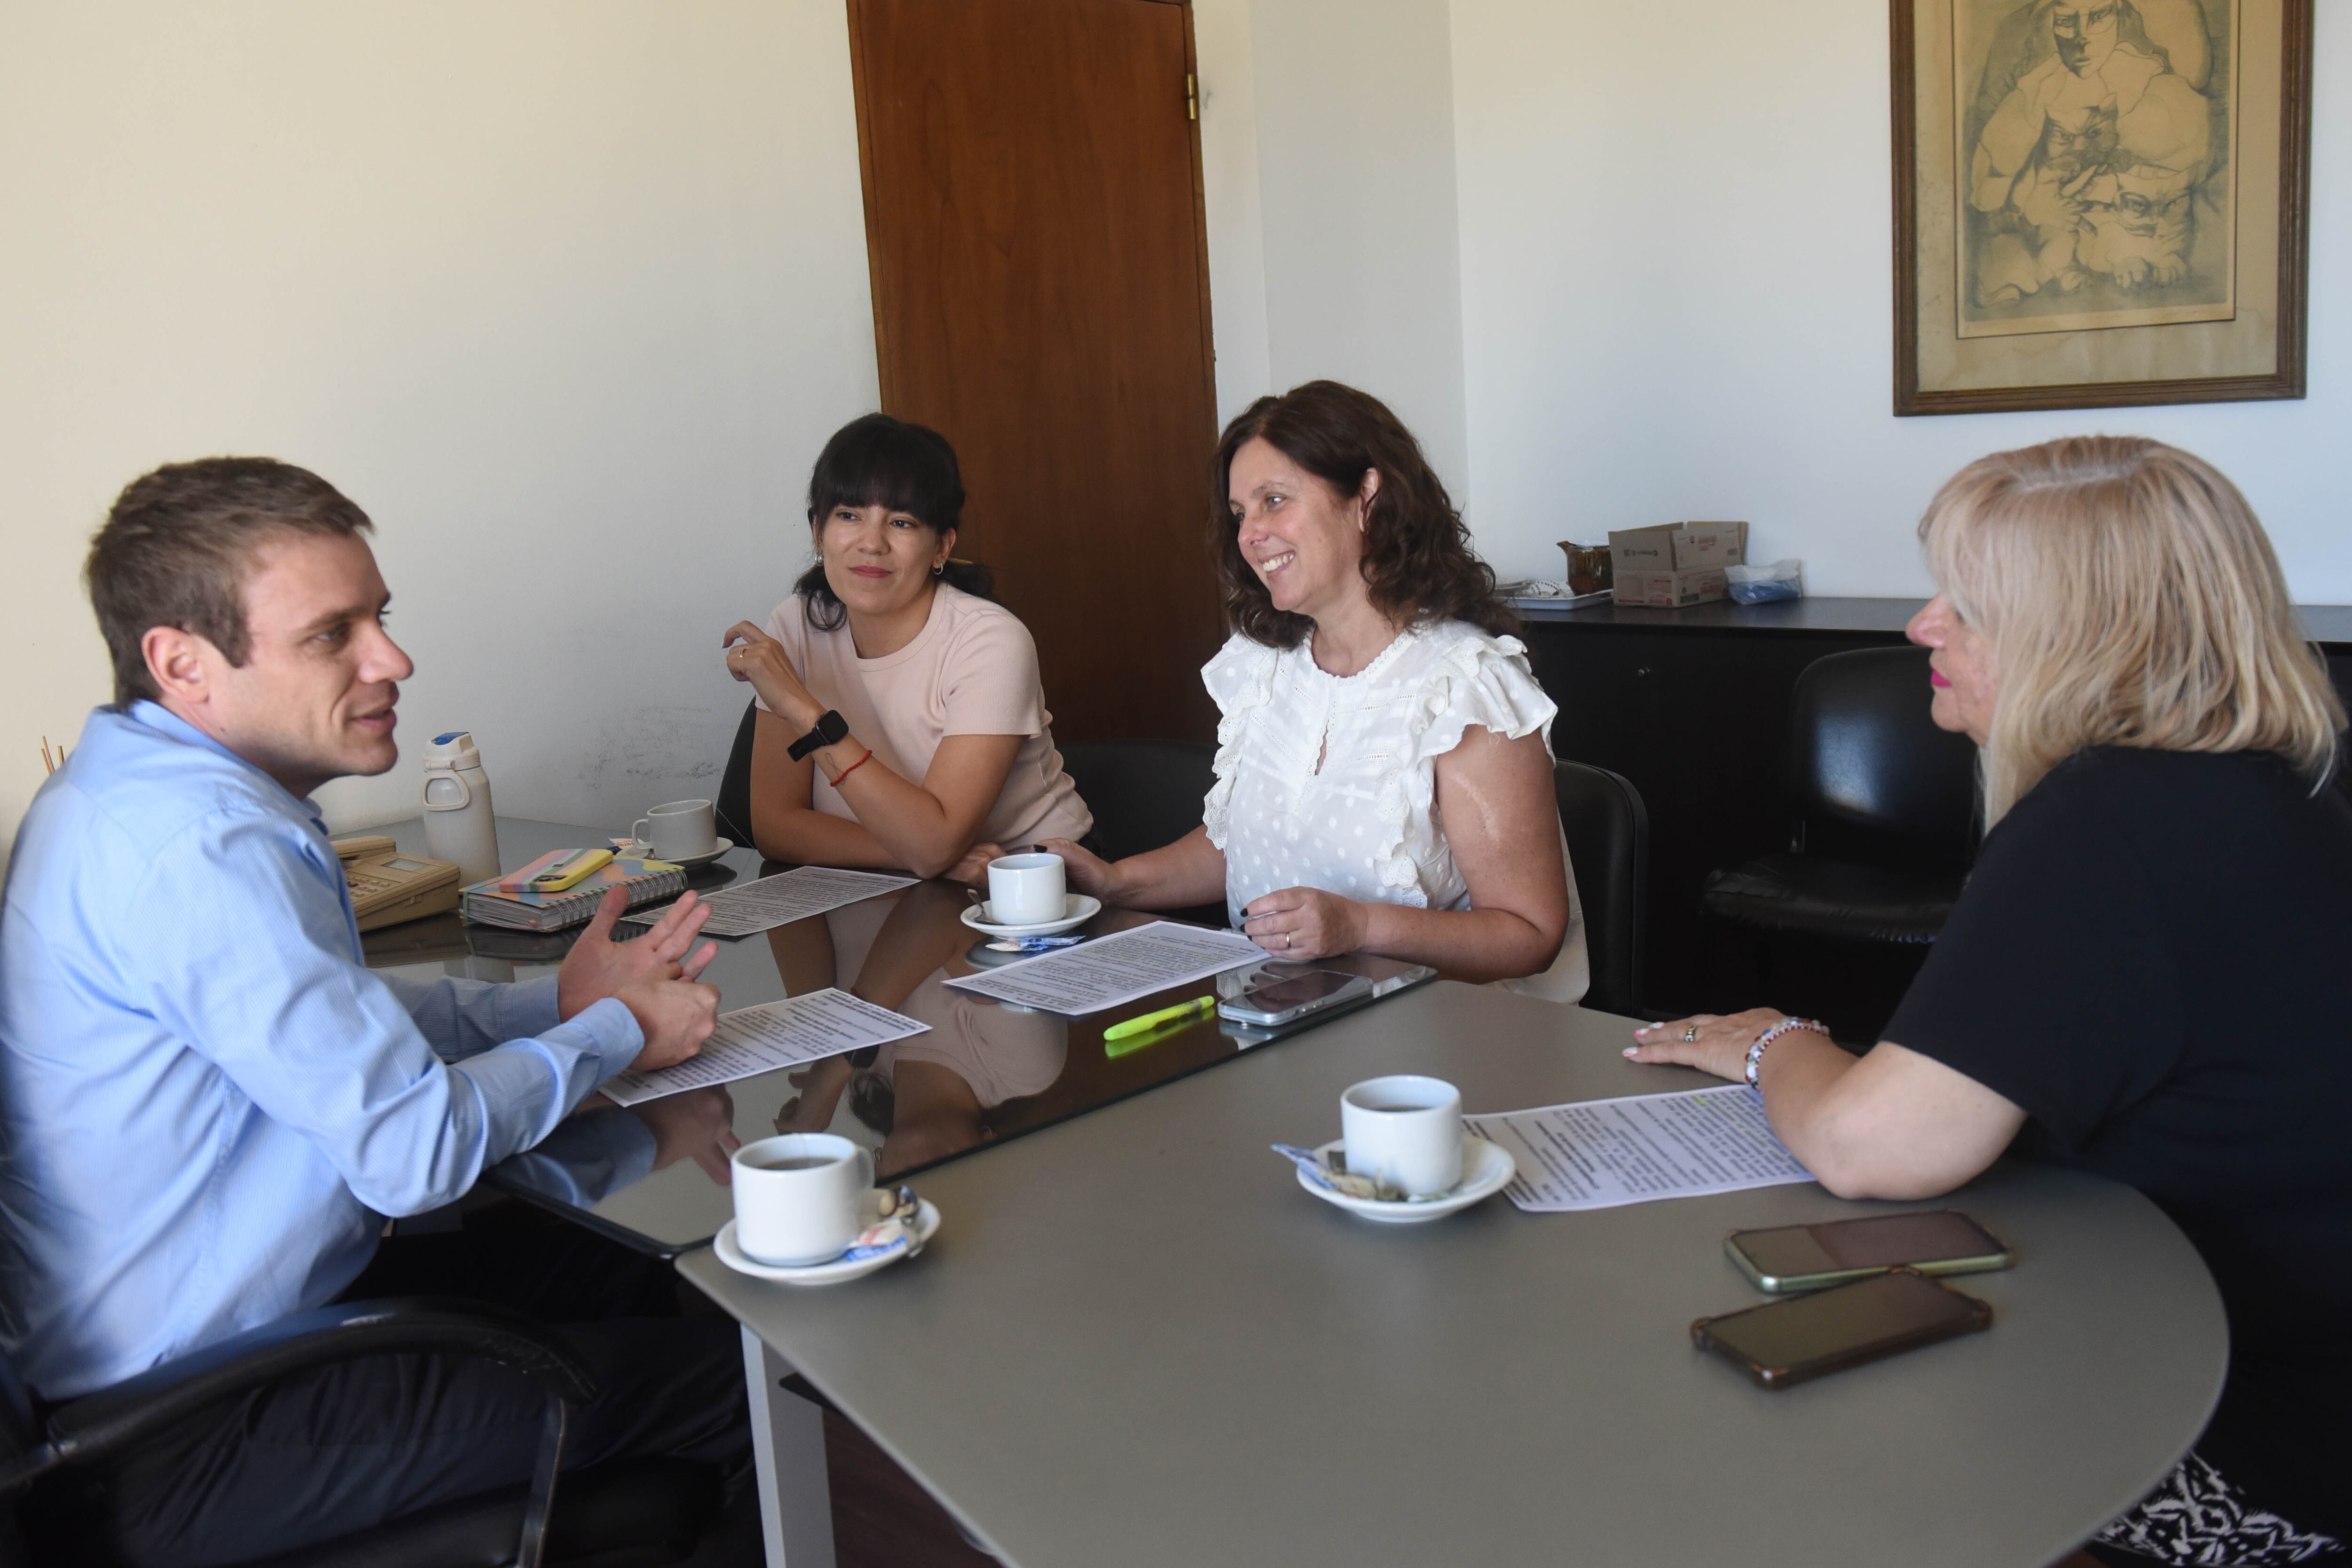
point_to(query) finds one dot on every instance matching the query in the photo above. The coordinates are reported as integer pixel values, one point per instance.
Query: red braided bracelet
(853, 767)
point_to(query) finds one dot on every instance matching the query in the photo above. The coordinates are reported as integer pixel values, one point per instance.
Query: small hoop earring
(940, 570)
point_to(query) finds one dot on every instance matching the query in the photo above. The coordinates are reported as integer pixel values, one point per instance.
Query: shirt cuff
(606, 1030)
(528, 1009)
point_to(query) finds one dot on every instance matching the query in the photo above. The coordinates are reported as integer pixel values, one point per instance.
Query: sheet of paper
(1603, 1153)
(771, 1035)
(783, 898)
(1111, 970)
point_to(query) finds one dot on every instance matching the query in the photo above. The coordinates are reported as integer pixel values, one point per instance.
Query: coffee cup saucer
(833, 1270)
(1487, 1169)
(1076, 910)
(688, 862)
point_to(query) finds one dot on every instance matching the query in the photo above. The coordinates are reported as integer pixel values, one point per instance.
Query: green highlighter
(1121, 1038)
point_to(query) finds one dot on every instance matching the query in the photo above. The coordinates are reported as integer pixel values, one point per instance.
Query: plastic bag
(1762, 584)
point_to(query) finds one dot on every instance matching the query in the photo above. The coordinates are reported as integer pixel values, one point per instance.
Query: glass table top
(654, 1176)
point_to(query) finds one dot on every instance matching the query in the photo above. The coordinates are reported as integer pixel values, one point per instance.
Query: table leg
(788, 1456)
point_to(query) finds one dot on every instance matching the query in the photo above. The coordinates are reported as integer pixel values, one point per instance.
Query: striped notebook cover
(647, 882)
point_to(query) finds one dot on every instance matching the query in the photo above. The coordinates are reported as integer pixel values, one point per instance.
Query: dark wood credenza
(1693, 707)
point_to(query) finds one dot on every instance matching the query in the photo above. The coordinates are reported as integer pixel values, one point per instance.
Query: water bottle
(459, 827)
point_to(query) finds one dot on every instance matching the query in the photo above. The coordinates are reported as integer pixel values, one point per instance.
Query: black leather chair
(1886, 810)
(619, 1516)
(1608, 835)
(1144, 794)
(733, 806)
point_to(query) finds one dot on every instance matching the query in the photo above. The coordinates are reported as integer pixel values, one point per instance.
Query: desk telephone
(388, 887)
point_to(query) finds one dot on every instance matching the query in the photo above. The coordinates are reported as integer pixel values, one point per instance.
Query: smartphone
(1276, 998)
(1810, 1257)
(1785, 1342)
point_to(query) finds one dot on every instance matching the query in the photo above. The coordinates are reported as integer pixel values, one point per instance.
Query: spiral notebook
(649, 880)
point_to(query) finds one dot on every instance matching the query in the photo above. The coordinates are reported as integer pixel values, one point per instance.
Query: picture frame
(2099, 204)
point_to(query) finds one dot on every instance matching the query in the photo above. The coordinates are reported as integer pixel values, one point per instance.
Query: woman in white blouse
(1384, 770)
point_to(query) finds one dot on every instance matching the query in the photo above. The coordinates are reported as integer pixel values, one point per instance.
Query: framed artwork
(2099, 204)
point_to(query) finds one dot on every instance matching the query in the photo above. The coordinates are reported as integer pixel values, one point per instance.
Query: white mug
(1405, 1131)
(1025, 889)
(677, 830)
(799, 1199)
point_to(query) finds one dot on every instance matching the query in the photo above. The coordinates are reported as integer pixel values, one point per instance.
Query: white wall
(1221, 46)
(566, 293)
(1677, 296)
(551, 285)
(1355, 166)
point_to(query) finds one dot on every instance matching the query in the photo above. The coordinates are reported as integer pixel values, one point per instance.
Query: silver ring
(1690, 1034)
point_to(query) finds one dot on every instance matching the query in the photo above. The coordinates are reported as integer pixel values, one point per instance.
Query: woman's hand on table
(973, 869)
(1083, 871)
(755, 657)
(1715, 1043)
(597, 966)
(1306, 923)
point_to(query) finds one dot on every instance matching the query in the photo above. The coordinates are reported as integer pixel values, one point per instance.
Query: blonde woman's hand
(1306, 923)
(759, 659)
(1716, 1043)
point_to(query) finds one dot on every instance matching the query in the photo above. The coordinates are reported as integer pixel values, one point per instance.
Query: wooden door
(1041, 297)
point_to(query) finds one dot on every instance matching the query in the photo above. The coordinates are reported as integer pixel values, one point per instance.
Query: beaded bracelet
(1788, 1025)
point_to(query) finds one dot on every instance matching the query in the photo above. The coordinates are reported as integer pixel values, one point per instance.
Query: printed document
(1112, 970)
(773, 1035)
(1603, 1153)
(783, 898)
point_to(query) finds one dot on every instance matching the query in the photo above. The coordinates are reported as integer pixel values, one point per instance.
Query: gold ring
(1690, 1034)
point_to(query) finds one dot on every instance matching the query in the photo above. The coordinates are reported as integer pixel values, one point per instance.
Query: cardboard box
(1632, 551)
(1672, 589)
(1677, 546)
(1710, 544)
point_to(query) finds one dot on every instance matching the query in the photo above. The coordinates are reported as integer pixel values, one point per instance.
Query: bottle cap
(452, 749)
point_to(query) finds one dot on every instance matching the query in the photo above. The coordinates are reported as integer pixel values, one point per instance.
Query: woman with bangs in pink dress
(902, 717)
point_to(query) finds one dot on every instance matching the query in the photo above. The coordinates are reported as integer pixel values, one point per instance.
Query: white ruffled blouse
(1330, 781)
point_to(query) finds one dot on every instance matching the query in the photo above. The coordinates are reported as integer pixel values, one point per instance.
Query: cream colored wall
(1677, 296)
(566, 293)
(1354, 109)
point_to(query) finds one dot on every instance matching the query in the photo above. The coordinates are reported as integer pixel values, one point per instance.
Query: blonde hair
(2129, 597)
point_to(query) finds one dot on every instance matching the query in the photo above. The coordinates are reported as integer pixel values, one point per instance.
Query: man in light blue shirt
(208, 1102)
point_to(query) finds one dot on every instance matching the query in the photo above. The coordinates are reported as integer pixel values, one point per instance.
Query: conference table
(1135, 1339)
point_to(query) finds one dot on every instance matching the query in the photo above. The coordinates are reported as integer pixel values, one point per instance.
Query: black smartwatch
(830, 727)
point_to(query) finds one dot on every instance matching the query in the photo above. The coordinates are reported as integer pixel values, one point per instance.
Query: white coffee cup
(1405, 1131)
(799, 1199)
(677, 830)
(1026, 890)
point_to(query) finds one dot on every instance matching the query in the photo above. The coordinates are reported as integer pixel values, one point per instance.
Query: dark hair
(179, 543)
(879, 461)
(1418, 564)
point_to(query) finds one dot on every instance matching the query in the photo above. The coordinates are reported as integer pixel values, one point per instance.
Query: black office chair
(619, 1516)
(1144, 794)
(1886, 810)
(1608, 835)
(733, 806)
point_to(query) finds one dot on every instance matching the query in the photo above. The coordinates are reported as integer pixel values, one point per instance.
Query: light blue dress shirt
(207, 1101)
